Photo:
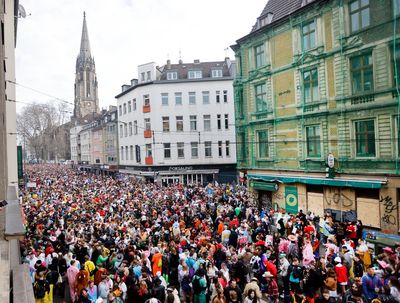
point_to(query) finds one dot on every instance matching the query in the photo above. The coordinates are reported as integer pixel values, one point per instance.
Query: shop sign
(291, 200)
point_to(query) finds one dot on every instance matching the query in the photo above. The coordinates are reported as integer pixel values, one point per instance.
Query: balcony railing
(148, 160)
(146, 108)
(147, 133)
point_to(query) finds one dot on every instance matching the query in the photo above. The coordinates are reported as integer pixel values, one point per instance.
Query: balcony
(147, 133)
(148, 160)
(146, 108)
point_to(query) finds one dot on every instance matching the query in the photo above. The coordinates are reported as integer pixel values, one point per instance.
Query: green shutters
(396, 65)
(262, 137)
(359, 14)
(261, 98)
(362, 73)
(365, 138)
(313, 135)
(259, 52)
(310, 84)
(308, 35)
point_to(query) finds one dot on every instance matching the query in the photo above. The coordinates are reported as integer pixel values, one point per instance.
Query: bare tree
(39, 125)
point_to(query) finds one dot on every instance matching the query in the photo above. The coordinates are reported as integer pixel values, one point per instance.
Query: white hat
(338, 260)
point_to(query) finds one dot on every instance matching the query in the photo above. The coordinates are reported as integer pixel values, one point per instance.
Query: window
(261, 98)
(164, 98)
(126, 153)
(263, 151)
(226, 121)
(149, 152)
(147, 124)
(146, 100)
(259, 54)
(137, 149)
(359, 14)
(120, 110)
(207, 122)
(178, 98)
(195, 149)
(135, 127)
(310, 84)
(142, 76)
(126, 129)
(122, 153)
(129, 107)
(165, 124)
(194, 74)
(134, 104)
(167, 150)
(225, 96)
(121, 131)
(217, 96)
(216, 73)
(219, 122)
(396, 8)
(365, 138)
(181, 149)
(130, 129)
(207, 149)
(361, 73)
(206, 97)
(124, 108)
(192, 97)
(313, 137)
(148, 76)
(179, 123)
(227, 148)
(193, 123)
(219, 148)
(308, 35)
(131, 152)
(396, 64)
(172, 75)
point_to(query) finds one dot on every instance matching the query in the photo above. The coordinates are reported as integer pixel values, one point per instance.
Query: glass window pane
(354, 22)
(365, 18)
(353, 5)
(368, 81)
(364, 2)
(355, 63)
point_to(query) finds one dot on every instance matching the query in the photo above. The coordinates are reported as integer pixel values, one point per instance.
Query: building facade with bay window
(176, 123)
(318, 79)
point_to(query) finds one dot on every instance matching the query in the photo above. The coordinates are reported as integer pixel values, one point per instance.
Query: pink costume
(308, 255)
(72, 271)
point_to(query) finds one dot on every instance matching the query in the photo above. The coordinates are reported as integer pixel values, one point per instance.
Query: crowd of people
(92, 238)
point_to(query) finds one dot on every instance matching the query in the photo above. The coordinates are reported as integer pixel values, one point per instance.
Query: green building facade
(317, 109)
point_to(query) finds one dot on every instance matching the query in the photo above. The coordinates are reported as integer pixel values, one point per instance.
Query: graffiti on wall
(389, 213)
(334, 195)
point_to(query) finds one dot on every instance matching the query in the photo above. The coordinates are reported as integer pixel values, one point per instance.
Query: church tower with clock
(86, 97)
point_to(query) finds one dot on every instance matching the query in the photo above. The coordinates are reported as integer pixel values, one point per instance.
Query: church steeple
(85, 46)
(86, 98)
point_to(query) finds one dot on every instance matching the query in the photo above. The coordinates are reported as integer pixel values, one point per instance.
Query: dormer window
(172, 76)
(266, 19)
(194, 74)
(216, 73)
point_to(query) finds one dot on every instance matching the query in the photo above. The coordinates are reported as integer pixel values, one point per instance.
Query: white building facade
(176, 123)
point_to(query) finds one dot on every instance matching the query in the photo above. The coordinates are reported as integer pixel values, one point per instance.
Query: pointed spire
(85, 46)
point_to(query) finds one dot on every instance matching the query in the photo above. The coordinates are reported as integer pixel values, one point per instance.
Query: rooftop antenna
(180, 54)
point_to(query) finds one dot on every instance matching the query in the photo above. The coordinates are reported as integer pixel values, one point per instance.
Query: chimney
(180, 61)
(197, 61)
(125, 87)
(168, 64)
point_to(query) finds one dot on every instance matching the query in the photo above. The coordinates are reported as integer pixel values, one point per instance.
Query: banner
(291, 200)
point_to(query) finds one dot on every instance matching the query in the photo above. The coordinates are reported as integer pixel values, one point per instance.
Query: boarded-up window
(368, 212)
(315, 203)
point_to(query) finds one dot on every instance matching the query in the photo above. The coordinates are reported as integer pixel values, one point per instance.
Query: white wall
(158, 111)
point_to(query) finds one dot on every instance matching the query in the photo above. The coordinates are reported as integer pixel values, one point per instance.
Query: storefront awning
(262, 185)
(340, 182)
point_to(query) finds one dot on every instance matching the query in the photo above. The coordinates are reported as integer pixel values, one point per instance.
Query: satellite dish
(21, 11)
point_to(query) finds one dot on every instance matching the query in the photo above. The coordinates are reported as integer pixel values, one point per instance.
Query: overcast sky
(123, 34)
